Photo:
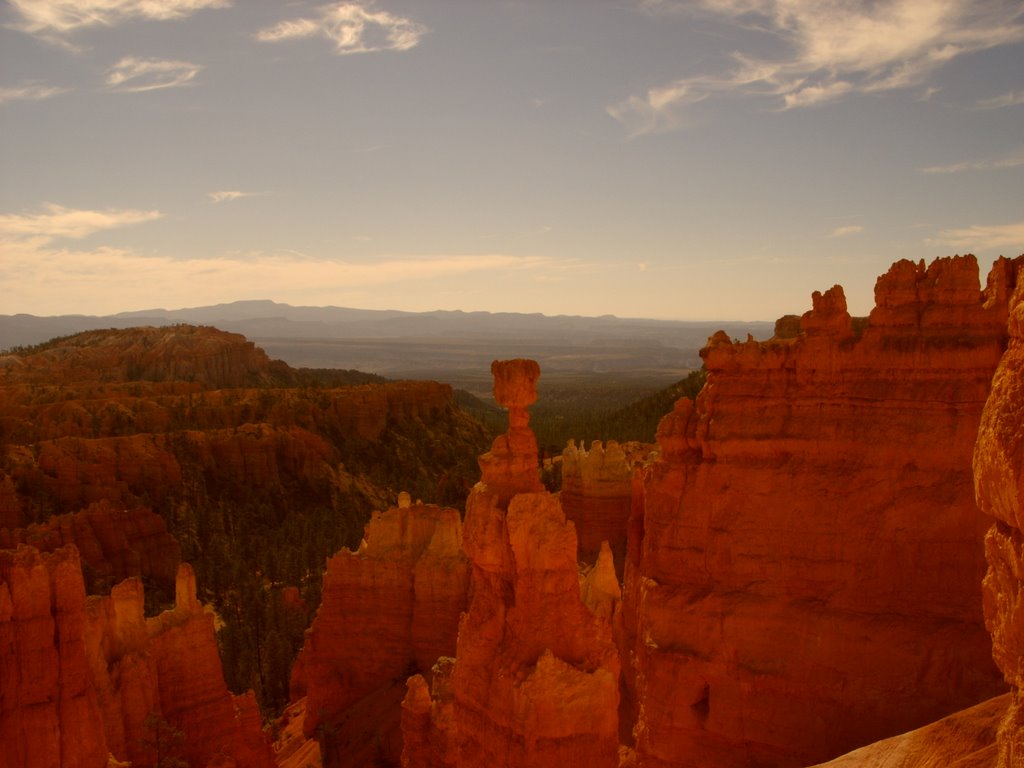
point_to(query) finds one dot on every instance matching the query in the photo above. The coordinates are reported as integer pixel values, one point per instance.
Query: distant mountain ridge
(419, 344)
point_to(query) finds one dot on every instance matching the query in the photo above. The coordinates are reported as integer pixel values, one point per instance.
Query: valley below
(372, 543)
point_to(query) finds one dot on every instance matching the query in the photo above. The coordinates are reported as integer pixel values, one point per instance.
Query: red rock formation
(805, 581)
(79, 679)
(292, 749)
(1000, 491)
(535, 680)
(114, 543)
(193, 695)
(597, 490)
(179, 353)
(49, 714)
(397, 602)
(962, 740)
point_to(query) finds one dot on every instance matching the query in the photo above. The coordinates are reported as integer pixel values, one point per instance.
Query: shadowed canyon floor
(821, 553)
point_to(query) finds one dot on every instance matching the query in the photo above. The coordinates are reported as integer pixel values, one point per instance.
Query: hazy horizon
(649, 159)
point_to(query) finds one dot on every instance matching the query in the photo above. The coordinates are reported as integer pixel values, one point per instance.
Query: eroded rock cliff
(535, 677)
(808, 548)
(83, 681)
(114, 543)
(396, 603)
(999, 476)
(596, 494)
(105, 434)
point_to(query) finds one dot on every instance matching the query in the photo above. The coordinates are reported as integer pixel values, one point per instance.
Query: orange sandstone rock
(1000, 490)
(78, 679)
(115, 543)
(535, 678)
(596, 495)
(804, 579)
(962, 740)
(396, 602)
(49, 715)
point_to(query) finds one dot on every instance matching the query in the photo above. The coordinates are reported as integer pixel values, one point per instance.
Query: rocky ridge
(121, 442)
(84, 681)
(804, 579)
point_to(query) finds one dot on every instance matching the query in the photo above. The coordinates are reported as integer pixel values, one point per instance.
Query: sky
(673, 159)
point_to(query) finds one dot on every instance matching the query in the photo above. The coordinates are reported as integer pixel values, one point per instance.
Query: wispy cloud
(846, 231)
(981, 237)
(134, 75)
(1011, 99)
(30, 92)
(57, 221)
(1012, 160)
(227, 195)
(835, 49)
(352, 27)
(47, 17)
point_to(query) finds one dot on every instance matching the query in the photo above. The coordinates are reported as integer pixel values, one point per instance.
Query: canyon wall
(596, 495)
(535, 676)
(114, 543)
(807, 549)
(389, 609)
(999, 477)
(83, 681)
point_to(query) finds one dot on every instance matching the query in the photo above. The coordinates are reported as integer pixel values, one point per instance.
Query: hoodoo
(535, 677)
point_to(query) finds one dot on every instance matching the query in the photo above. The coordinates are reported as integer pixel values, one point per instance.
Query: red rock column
(999, 485)
(536, 675)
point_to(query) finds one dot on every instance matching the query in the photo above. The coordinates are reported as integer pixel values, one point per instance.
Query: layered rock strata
(396, 602)
(999, 478)
(84, 681)
(49, 714)
(803, 579)
(114, 543)
(596, 496)
(535, 677)
(966, 739)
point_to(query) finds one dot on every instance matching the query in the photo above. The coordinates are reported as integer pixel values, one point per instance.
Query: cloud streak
(1009, 161)
(42, 17)
(982, 237)
(59, 222)
(352, 27)
(1011, 99)
(227, 195)
(30, 92)
(851, 229)
(134, 75)
(834, 49)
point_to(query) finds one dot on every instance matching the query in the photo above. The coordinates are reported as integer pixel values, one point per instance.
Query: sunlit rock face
(84, 680)
(535, 677)
(596, 495)
(966, 739)
(49, 714)
(389, 609)
(805, 553)
(999, 474)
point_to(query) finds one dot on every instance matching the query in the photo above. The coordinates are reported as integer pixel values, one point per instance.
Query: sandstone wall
(596, 495)
(81, 680)
(806, 579)
(388, 610)
(999, 476)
